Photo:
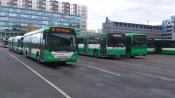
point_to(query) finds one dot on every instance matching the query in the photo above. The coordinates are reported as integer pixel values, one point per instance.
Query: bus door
(86, 46)
(158, 50)
(28, 46)
(12, 43)
(41, 45)
(103, 47)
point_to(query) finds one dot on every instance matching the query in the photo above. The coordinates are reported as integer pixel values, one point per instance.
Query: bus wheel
(95, 53)
(132, 56)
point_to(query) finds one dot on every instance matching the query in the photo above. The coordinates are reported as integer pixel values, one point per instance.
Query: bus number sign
(63, 30)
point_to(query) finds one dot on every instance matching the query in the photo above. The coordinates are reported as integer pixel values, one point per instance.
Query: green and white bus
(18, 44)
(165, 46)
(10, 43)
(102, 45)
(51, 44)
(151, 49)
(5, 42)
(136, 45)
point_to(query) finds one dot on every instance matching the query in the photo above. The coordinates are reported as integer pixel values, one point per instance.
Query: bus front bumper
(51, 58)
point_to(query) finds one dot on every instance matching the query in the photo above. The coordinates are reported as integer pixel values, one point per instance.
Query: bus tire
(132, 56)
(95, 53)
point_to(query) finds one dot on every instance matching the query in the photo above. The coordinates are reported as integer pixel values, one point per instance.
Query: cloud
(154, 10)
(134, 11)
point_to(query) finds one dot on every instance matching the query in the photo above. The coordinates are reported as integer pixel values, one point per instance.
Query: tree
(31, 27)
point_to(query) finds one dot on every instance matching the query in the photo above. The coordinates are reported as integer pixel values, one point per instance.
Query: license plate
(62, 59)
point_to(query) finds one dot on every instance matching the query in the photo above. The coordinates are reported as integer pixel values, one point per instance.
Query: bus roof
(45, 29)
(164, 40)
(95, 35)
(92, 35)
(18, 37)
(33, 32)
(128, 33)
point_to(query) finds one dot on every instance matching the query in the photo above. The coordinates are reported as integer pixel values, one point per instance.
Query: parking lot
(152, 76)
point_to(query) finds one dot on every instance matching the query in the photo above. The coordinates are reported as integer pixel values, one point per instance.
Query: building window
(3, 14)
(4, 19)
(12, 15)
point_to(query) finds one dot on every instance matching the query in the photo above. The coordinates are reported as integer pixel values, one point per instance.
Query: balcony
(54, 4)
(13, 0)
(27, 5)
(42, 2)
(27, 2)
(55, 10)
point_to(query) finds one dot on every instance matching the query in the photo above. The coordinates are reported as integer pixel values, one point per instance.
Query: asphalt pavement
(152, 76)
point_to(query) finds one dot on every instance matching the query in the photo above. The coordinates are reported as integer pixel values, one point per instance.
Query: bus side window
(18, 43)
(22, 42)
(43, 39)
(94, 41)
(128, 40)
(80, 41)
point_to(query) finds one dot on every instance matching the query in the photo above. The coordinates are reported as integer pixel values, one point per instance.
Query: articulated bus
(165, 46)
(10, 43)
(18, 44)
(51, 44)
(136, 45)
(5, 42)
(102, 45)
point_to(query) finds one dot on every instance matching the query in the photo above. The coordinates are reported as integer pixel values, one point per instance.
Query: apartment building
(17, 12)
(168, 27)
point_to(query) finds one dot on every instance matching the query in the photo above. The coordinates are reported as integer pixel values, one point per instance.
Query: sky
(132, 11)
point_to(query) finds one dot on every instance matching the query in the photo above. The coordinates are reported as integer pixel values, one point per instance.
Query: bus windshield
(60, 42)
(139, 39)
(116, 40)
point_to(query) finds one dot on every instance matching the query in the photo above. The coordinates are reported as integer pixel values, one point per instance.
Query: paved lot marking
(39, 75)
(106, 71)
(141, 73)
(148, 75)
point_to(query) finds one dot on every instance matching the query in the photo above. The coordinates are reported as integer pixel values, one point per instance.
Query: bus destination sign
(117, 35)
(62, 30)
